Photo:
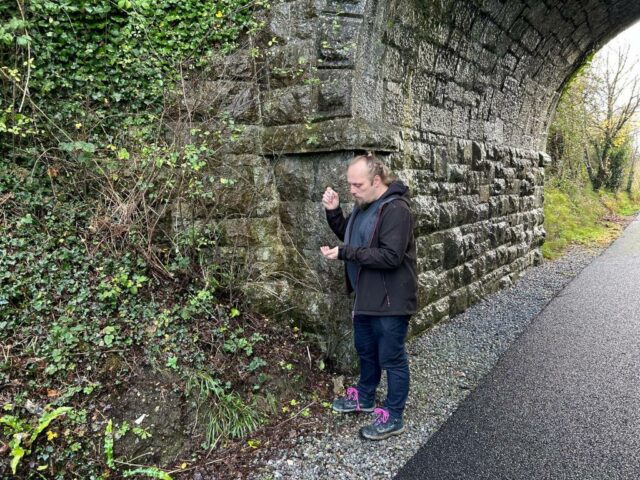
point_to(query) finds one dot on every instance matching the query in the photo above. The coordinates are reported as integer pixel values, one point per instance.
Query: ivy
(95, 62)
(91, 276)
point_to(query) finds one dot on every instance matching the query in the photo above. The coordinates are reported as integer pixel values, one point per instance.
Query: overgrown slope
(125, 347)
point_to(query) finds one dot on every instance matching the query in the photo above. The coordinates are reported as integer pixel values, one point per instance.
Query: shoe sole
(365, 410)
(385, 436)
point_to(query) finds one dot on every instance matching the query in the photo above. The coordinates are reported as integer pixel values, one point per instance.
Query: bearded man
(379, 253)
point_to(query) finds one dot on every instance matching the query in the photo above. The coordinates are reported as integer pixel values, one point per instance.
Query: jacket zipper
(386, 292)
(373, 233)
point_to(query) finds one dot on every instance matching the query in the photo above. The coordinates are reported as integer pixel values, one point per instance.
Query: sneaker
(351, 403)
(383, 426)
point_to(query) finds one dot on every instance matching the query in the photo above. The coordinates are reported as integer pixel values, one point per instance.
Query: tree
(612, 99)
(631, 177)
(568, 139)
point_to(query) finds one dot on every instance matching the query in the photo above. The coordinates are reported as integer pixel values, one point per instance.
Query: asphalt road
(564, 400)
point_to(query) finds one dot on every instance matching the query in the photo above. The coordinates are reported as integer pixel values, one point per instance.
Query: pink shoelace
(352, 394)
(382, 416)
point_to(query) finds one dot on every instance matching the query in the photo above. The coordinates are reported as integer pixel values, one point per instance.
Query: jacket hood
(396, 188)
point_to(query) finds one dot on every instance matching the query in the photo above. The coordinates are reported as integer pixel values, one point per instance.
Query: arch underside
(455, 94)
(484, 70)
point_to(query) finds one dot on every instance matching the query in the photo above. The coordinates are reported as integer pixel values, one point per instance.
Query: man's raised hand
(330, 199)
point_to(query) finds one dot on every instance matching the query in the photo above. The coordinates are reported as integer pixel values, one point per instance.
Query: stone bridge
(456, 95)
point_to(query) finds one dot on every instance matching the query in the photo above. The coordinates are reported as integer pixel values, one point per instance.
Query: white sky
(631, 36)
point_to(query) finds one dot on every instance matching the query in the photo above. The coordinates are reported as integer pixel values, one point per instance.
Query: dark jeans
(380, 345)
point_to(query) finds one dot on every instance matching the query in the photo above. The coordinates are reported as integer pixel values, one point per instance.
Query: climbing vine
(81, 68)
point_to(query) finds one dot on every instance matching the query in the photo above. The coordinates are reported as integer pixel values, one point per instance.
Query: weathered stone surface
(334, 97)
(238, 100)
(455, 95)
(338, 41)
(293, 20)
(351, 7)
(330, 136)
(289, 64)
(289, 105)
(239, 65)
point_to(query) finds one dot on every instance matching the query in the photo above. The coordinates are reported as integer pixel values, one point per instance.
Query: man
(379, 252)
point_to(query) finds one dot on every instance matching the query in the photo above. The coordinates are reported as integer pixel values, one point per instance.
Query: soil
(292, 376)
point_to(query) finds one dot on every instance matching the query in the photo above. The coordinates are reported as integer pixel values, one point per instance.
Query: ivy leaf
(23, 40)
(108, 444)
(78, 147)
(17, 452)
(123, 154)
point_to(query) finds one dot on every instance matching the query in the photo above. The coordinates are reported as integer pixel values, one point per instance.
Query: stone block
(460, 121)
(448, 214)
(456, 173)
(441, 161)
(428, 290)
(458, 301)
(295, 178)
(350, 7)
(435, 119)
(213, 99)
(306, 226)
(544, 160)
(416, 156)
(453, 249)
(338, 41)
(335, 135)
(484, 193)
(238, 65)
(250, 232)
(498, 186)
(418, 181)
(426, 214)
(290, 64)
(289, 105)
(334, 96)
(293, 20)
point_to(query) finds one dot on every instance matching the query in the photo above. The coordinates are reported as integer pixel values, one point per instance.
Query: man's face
(363, 190)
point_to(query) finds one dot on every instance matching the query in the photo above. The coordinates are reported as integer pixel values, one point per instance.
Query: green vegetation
(109, 269)
(577, 214)
(592, 180)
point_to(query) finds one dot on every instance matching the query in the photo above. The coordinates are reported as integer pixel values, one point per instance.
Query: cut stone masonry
(456, 95)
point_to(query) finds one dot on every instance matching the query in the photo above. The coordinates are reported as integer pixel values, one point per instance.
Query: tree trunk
(632, 171)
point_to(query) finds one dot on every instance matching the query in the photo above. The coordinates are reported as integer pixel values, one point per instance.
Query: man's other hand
(330, 199)
(329, 253)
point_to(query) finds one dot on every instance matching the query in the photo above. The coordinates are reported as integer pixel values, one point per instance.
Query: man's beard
(361, 204)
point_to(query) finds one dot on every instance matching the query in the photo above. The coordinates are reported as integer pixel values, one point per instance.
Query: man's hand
(330, 199)
(329, 253)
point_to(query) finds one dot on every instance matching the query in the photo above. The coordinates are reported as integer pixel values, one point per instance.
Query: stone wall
(456, 95)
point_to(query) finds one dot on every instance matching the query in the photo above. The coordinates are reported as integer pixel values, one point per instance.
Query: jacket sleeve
(337, 222)
(395, 230)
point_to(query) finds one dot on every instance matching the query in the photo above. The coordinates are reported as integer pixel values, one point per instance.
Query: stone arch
(457, 95)
(483, 70)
